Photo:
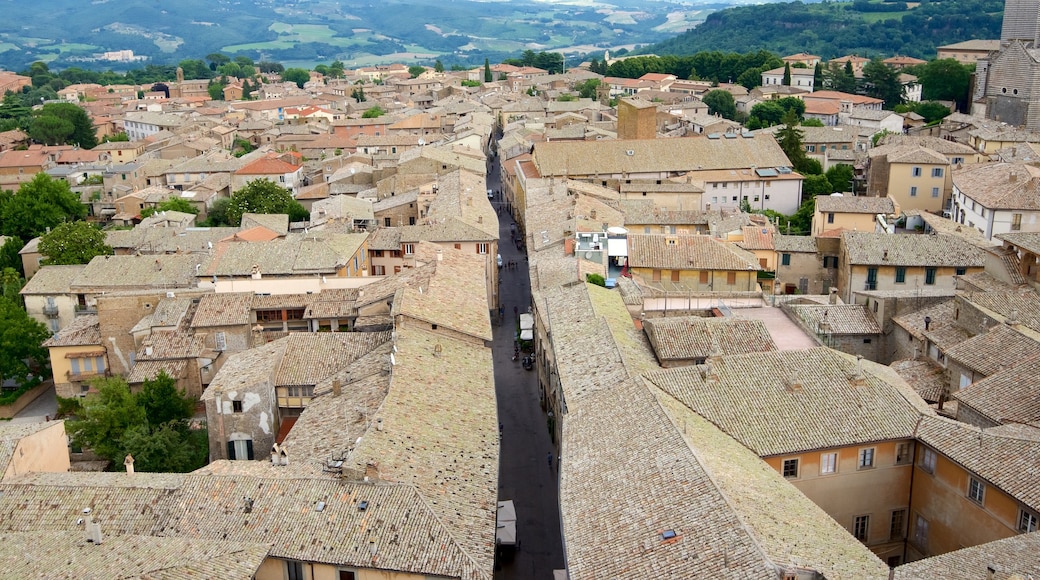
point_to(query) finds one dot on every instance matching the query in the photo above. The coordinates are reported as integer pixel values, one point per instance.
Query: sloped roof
(690, 337)
(910, 250)
(1009, 396)
(687, 252)
(1000, 348)
(656, 155)
(792, 401)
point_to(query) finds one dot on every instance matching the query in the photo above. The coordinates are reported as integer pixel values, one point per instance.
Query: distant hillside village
(729, 392)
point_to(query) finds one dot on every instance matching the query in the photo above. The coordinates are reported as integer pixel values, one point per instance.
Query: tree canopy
(882, 82)
(721, 102)
(38, 205)
(63, 124)
(173, 204)
(299, 76)
(263, 196)
(154, 426)
(20, 340)
(73, 243)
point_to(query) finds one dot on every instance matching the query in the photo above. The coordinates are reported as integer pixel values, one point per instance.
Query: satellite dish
(617, 230)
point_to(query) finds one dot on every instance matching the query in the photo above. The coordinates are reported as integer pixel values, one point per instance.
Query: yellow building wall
(954, 521)
(745, 281)
(901, 179)
(857, 222)
(274, 569)
(851, 492)
(46, 450)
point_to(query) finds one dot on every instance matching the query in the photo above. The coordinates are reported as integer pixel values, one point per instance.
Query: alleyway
(524, 475)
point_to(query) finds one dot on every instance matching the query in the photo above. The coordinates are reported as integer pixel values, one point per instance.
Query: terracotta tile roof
(1009, 559)
(910, 250)
(267, 166)
(792, 401)
(687, 252)
(108, 273)
(51, 280)
(146, 370)
(82, 331)
(791, 529)
(246, 369)
(312, 357)
(757, 237)
(854, 204)
(645, 211)
(924, 376)
(1000, 185)
(656, 155)
(1007, 456)
(228, 309)
(840, 319)
(1009, 396)
(991, 352)
(783, 243)
(692, 337)
(1023, 305)
(448, 452)
(455, 298)
(68, 555)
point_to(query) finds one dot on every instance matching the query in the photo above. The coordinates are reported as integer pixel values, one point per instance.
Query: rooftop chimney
(337, 387)
(833, 298)
(129, 463)
(440, 256)
(94, 533)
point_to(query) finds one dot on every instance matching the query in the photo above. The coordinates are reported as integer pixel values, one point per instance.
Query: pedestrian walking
(515, 311)
(549, 459)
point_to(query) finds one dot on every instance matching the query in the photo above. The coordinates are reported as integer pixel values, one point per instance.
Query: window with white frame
(913, 191)
(828, 462)
(790, 468)
(916, 172)
(928, 460)
(976, 490)
(1027, 521)
(866, 458)
(482, 248)
(937, 172)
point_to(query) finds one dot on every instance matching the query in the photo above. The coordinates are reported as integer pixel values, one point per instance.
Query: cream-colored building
(850, 213)
(870, 261)
(78, 356)
(33, 447)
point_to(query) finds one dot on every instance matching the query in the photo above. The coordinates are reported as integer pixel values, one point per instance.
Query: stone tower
(180, 75)
(1021, 22)
(637, 119)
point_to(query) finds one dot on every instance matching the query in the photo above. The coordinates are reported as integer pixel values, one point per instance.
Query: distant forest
(833, 29)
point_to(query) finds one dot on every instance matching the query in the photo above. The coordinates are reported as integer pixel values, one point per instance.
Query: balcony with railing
(84, 309)
(870, 285)
(50, 310)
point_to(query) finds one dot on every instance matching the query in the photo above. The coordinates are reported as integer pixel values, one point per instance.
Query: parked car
(498, 259)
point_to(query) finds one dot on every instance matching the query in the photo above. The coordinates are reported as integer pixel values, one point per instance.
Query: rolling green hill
(833, 29)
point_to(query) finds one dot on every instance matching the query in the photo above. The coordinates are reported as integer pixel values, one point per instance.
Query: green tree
(73, 243)
(82, 128)
(215, 90)
(218, 213)
(9, 256)
(263, 196)
(50, 130)
(438, 66)
(818, 76)
(173, 204)
(11, 283)
(840, 177)
(38, 205)
(487, 71)
(816, 185)
(801, 220)
(882, 82)
(768, 113)
(120, 137)
(787, 75)
(358, 94)
(811, 123)
(336, 69)
(721, 102)
(944, 80)
(416, 70)
(790, 139)
(163, 402)
(153, 426)
(587, 88)
(373, 112)
(20, 340)
(837, 78)
(299, 76)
